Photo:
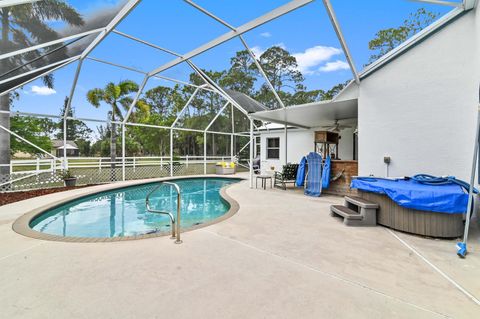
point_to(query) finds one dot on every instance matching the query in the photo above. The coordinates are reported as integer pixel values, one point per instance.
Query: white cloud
(42, 90)
(313, 60)
(265, 34)
(313, 57)
(334, 66)
(258, 50)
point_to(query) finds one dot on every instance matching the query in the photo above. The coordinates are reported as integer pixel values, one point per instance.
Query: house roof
(59, 144)
(414, 40)
(350, 91)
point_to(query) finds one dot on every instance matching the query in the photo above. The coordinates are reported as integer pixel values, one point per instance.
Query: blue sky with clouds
(306, 33)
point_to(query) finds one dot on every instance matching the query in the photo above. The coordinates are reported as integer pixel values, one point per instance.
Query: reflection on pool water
(122, 212)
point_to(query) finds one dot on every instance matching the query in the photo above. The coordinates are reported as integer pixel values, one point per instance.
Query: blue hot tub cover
(447, 198)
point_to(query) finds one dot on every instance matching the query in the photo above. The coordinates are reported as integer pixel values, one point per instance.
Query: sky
(306, 33)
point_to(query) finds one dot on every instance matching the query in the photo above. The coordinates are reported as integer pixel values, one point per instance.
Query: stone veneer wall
(342, 185)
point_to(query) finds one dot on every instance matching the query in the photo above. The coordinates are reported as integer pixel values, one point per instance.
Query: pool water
(122, 212)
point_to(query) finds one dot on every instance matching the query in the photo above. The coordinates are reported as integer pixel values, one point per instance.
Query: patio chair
(288, 175)
(256, 165)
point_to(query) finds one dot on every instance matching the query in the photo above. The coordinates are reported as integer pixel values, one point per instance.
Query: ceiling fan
(336, 127)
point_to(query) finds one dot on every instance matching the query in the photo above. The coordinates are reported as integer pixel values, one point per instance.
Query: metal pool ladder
(175, 223)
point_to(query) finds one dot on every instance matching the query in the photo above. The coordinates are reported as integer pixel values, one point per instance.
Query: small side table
(264, 181)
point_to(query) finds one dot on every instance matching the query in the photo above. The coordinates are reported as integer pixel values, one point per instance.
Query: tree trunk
(113, 150)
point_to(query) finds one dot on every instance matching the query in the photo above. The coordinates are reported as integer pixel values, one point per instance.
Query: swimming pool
(122, 212)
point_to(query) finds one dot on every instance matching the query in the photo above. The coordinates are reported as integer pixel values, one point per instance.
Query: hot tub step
(354, 215)
(345, 212)
(360, 202)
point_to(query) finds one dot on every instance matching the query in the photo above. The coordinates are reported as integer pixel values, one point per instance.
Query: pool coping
(22, 224)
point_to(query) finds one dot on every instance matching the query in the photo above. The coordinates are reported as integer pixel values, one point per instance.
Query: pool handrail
(175, 222)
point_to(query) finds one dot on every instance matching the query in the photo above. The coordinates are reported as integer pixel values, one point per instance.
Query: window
(257, 146)
(273, 148)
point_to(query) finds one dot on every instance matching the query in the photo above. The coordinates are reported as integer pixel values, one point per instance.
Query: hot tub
(409, 206)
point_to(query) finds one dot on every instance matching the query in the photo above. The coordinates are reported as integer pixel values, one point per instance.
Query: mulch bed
(12, 197)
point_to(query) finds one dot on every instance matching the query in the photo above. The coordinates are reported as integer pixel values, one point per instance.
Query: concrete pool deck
(280, 256)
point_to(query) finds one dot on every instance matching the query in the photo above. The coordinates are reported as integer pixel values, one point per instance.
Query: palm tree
(23, 26)
(118, 97)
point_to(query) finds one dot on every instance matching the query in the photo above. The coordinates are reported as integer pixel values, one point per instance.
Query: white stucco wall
(300, 143)
(349, 92)
(345, 145)
(420, 109)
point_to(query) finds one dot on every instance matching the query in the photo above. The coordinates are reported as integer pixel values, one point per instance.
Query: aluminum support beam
(59, 65)
(286, 145)
(208, 13)
(272, 15)
(440, 2)
(9, 3)
(119, 123)
(67, 109)
(216, 87)
(259, 67)
(50, 43)
(27, 141)
(40, 69)
(143, 72)
(181, 82)
(116, 65)
(251, 153)
(340, 37)
(231, 136)
(216, 116)
(15, 113)
(127, 8)
(146, 43)
(123, 152)
(205, 153)
(171, 152)
(185, 107)
(135, 100)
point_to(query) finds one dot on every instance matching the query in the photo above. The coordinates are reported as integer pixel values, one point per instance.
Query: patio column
(123, 152)
(231, 135)
(251, 153)
(204, 153)
(171, 152)
(286, 144)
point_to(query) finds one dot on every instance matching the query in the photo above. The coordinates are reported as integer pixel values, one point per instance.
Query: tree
(76, 129)
(387, 39)
(117, 97)
(33, 129)
(160, 99)
(281, 69)
(241, 76)
(23, 26)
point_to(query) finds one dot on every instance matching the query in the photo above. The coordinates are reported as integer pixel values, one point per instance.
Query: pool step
(356, 211)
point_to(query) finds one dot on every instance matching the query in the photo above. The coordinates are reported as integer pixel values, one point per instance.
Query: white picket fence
(45, 173)
(40, 165)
